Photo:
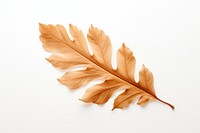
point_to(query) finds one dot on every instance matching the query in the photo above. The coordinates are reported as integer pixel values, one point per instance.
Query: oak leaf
(68, 53)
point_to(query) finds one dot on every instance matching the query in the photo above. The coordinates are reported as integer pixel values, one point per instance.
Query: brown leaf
(101, 46)
(79, 38)
(65, 61)
(127, 97)
(68, 53)
(76, 79)
(57, 42)
(100, 93)
(146, 80)
(126, 63)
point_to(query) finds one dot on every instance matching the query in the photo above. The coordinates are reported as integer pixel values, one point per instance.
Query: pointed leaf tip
(91, 26)
(70, 24)
(47, 59)
(41, 26)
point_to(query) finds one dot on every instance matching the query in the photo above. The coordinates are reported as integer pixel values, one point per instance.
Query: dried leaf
(68, 53)
(126, 63)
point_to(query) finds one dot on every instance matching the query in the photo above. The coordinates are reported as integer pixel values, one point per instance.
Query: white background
(164, 35)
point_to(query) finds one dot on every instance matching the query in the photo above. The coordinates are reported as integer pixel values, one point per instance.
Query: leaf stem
(166, 103)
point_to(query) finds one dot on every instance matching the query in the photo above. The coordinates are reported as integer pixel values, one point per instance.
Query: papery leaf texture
(69, 53)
